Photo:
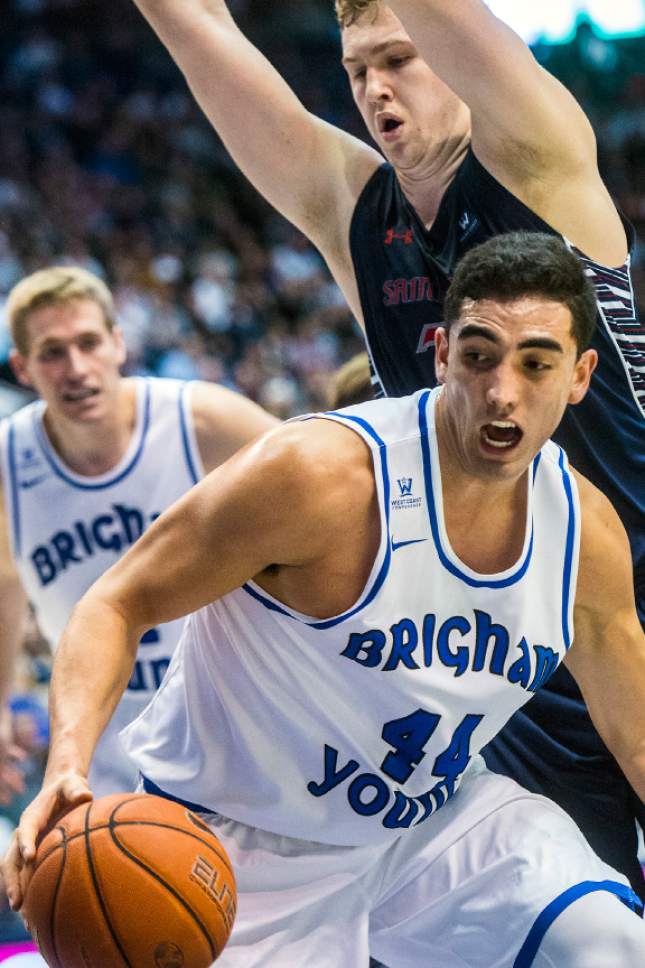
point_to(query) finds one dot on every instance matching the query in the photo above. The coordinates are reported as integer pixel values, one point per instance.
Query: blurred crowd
(106, 162)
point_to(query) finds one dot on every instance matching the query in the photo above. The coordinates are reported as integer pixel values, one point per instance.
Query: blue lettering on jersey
(113, 531)
(369, 794)
(478, 644)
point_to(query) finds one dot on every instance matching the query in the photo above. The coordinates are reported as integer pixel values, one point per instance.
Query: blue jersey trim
(184, 434)
(544, 921)
(434, 523)
(58, 470)
(156, 791)
(380, 578)
(568, 554)
(15, 493)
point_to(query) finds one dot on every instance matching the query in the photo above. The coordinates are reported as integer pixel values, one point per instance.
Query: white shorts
(500, 878)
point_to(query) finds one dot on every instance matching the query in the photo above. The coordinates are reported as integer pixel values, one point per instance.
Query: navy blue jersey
(403, 272)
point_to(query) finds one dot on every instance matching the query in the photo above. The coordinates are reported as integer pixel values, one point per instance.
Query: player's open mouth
(73, 396)
(388, 125)
(500, 435)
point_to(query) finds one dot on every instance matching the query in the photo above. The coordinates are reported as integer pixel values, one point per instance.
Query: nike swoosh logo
(401, 544)
(34, 481)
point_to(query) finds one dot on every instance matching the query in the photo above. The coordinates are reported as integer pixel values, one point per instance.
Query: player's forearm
(175, 21)
(92, 668)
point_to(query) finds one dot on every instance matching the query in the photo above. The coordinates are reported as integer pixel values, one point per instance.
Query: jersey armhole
(190, 447)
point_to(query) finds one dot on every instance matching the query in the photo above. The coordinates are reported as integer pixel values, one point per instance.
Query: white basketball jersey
(67, 530)
(353, 729)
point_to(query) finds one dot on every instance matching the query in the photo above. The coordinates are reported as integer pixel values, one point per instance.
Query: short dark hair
(518, 264)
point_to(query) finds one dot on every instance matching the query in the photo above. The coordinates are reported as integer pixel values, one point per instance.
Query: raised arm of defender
(527, 129)
(305, 167)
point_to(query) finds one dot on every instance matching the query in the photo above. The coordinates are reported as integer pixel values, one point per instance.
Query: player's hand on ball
(59, 794)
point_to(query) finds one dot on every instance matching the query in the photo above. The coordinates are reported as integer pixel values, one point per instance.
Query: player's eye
(51, 353)
(89, 343)
(476, 358)
(359, 74)
(537, 366)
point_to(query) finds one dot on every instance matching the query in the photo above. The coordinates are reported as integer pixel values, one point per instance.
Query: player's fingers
(74, 792)
(17, 753)
(11, 868)
(26, 835)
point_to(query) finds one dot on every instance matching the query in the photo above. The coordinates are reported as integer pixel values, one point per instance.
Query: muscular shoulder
(317, 473)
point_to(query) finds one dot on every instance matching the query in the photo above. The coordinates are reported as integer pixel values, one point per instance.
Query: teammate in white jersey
(88, 467)
(377, 591)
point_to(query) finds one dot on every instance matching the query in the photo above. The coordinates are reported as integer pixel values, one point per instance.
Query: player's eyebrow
(472, 329)
(532, 343)
(541, 343)
(378, 49)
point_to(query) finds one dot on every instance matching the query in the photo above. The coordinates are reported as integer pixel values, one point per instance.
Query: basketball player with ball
(374, 592)
(474, 138)
(86, 468)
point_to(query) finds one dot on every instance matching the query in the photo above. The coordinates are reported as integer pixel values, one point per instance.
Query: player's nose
(502, 392)
(377, 86)
(77, 363)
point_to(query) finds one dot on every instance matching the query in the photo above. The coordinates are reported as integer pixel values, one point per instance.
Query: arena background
(106, 162)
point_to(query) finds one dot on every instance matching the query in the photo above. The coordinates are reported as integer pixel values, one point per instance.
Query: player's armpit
(607, 658)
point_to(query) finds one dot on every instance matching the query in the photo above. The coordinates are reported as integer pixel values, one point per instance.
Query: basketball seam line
(99, 895)
(138, 823)
(202, 927)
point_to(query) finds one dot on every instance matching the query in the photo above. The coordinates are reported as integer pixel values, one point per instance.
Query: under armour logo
(407, 237)
(464, 221)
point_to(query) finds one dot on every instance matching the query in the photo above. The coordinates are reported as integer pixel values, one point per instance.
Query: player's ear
(441, 353)
(585, 365)
(117, 334)
(18, 364)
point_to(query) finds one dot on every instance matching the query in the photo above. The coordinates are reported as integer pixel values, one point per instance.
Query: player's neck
(95, 447)
(425, 185)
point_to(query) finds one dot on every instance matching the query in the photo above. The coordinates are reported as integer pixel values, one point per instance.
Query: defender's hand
(59, 795)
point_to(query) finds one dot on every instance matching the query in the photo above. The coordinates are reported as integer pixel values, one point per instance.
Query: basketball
(131, 881)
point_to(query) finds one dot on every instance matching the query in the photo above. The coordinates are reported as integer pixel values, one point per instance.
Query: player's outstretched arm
(310, 171)
(271, 504)
(224, 422)
(527, 129)
(607, 657)
(13, 603)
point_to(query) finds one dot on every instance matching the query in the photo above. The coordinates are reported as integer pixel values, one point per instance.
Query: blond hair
(349, 11)
(352, 383)
(50, 287)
